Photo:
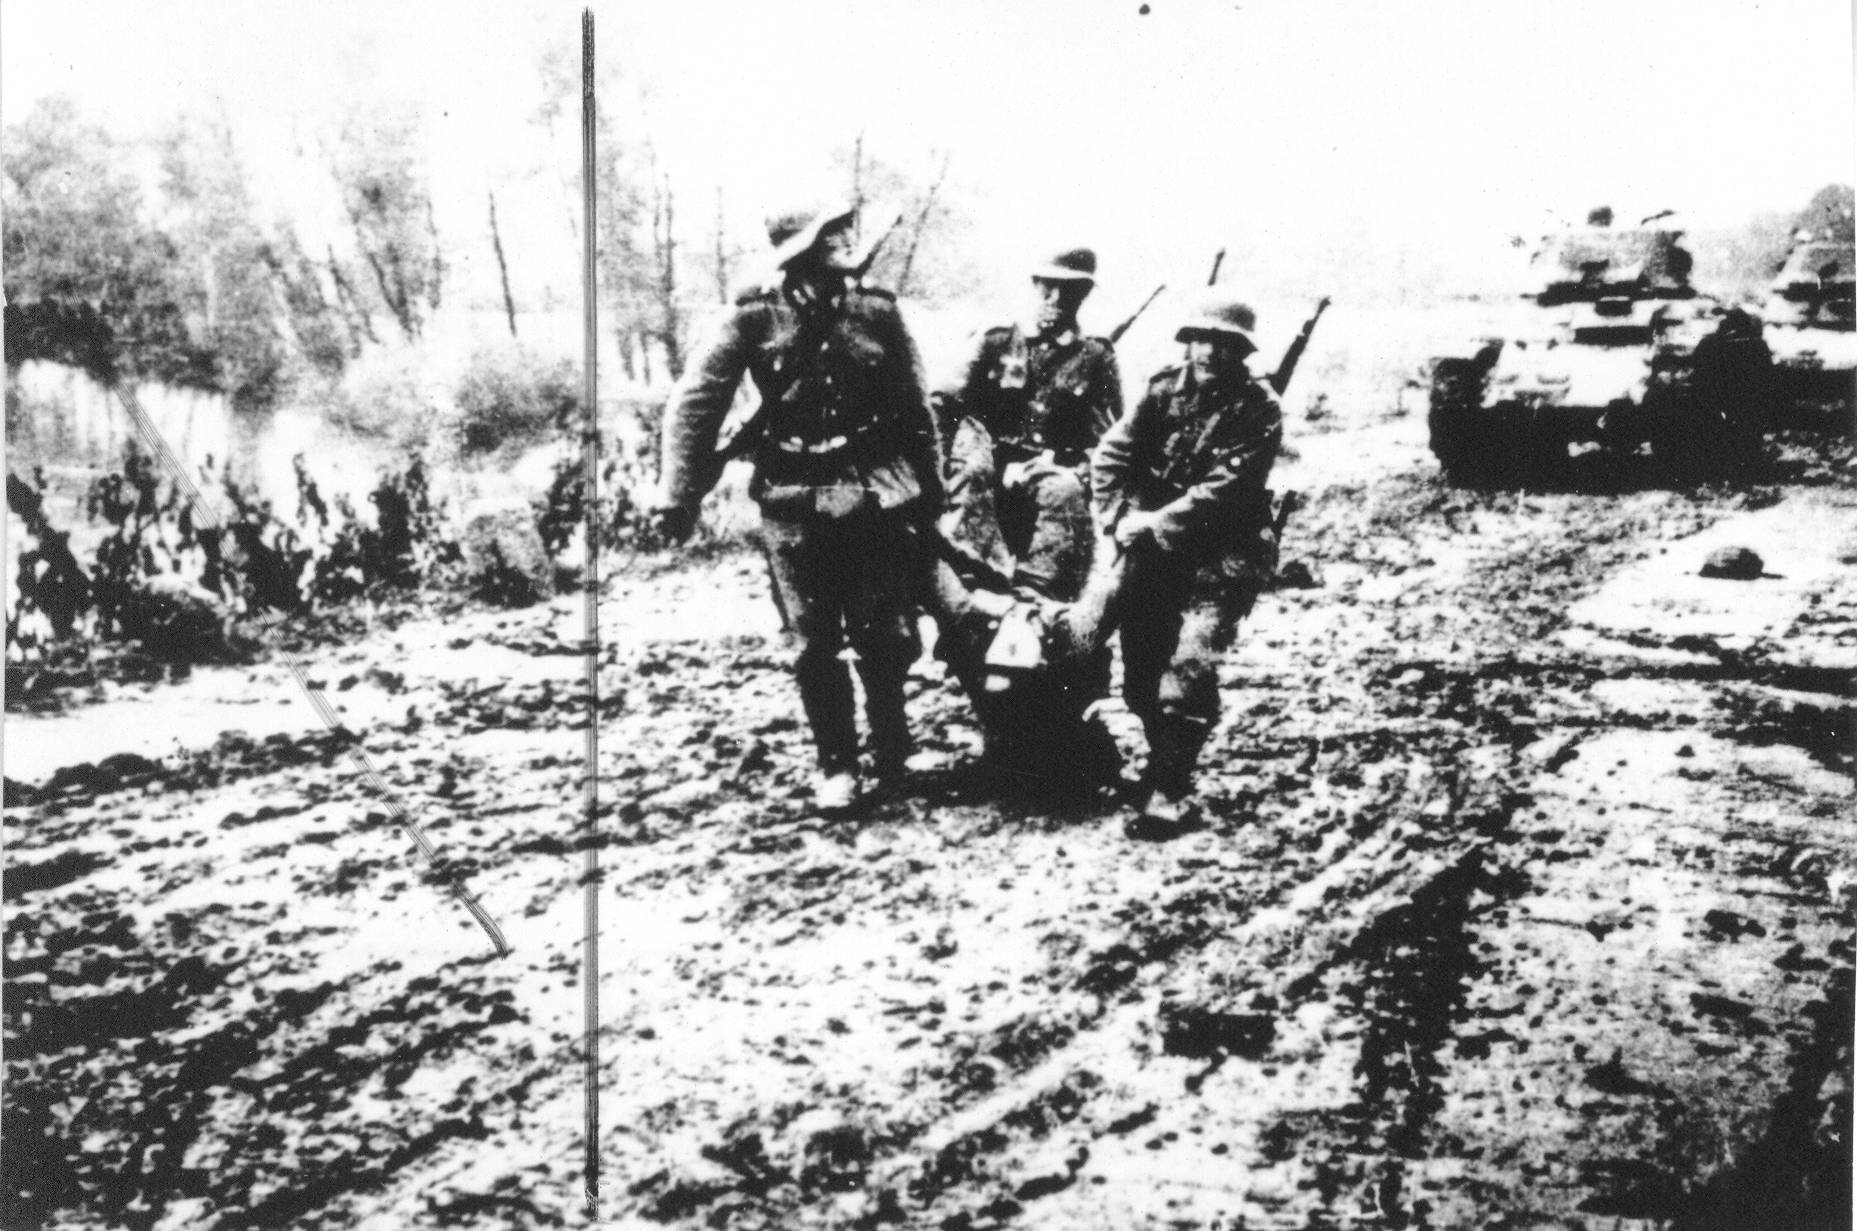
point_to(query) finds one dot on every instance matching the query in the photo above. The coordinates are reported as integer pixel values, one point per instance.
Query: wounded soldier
(1020, 420)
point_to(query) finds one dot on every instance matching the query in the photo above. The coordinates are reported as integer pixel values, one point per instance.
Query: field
(1524, 900)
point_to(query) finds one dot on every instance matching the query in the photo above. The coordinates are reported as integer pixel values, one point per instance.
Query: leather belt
(796, 445)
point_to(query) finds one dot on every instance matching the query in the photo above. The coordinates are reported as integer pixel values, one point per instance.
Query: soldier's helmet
(1218, 314)
(1070, 265)
(794, 231)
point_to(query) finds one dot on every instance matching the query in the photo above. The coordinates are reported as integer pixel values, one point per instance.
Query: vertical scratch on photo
(590, 446)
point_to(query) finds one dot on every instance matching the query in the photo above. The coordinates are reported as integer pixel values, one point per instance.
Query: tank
(1811, 331)
(1611, 347)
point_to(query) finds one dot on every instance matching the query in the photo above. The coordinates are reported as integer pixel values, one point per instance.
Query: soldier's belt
(795, 444)
(1022, 448)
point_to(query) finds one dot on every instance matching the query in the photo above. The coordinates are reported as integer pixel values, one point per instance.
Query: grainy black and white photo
(1041, 615)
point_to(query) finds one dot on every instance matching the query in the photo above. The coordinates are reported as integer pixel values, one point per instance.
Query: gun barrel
(1115, 335)
(1280, 379)
(868, 256)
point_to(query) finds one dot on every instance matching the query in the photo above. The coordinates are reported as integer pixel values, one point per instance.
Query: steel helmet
(1070, 265)
(1218, 314)
(793, 232)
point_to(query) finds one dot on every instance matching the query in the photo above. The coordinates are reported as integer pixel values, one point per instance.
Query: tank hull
(1622, 355)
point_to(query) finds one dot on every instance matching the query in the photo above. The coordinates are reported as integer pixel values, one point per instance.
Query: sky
(1269, 127)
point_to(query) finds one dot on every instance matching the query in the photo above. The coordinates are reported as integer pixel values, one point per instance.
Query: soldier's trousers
(1030, 517)
(1044, 517)
(1176, 618)
(849, 580)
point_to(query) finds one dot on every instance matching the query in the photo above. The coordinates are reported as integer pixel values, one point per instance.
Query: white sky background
(1271, 127)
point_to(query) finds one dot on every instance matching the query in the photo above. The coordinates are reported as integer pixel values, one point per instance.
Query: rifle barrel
(1115, 335)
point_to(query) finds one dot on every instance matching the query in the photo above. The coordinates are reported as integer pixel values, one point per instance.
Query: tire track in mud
(211, 1050)
(1032, 1113)
(963, 1015)
(1019, 1108)
(325, 1159)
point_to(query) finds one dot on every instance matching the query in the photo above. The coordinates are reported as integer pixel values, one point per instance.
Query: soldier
(1027, 409)
(845, 465)
(1029, 404)
(1180, 489)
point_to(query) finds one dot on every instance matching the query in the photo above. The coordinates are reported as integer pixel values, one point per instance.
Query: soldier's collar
(1069, 335)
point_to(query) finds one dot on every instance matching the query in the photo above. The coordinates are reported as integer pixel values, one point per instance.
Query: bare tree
(436, 285)
(921, 223)
(502, 267)
(354, 309)
(931, 264)
(390, 208)
(722, 254)
(314, 325)
(857, 184)
(669, 329)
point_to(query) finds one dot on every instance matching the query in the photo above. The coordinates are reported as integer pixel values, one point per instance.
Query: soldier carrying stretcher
(846, 464)
(1180, 490)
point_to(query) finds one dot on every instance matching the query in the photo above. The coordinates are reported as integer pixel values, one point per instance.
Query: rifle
(868, 256)
(1288, 503)
(1218, 260)
(1280, 379)
(1115, 335)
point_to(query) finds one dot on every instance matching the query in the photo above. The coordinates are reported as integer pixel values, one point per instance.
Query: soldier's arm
(1106, 404)
(1112, 464)
(698, 406)
(954, 392)
(1237, 476)
(921, 442)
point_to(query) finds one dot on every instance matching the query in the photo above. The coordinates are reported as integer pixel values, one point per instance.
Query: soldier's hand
(1134, 527)
(673, 523)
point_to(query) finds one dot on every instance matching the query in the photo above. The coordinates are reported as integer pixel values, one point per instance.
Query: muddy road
(1524, 900)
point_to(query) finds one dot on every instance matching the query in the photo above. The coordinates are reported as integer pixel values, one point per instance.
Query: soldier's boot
(834, 791)
(831, 712)
(1082, 754)
(890, 741)
(1097, 758)
(1174, 742)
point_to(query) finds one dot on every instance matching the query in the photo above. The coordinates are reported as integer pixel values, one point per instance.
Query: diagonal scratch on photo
(1098, 615)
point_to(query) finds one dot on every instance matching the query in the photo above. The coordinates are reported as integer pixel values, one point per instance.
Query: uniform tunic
(1038, 394)
(843, 409)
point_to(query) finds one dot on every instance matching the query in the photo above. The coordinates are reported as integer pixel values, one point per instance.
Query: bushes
(502, 399)
(628, 472)
(158, 580)
(385, 397)
(509, 396)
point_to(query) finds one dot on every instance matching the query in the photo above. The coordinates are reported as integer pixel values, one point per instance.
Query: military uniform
(1199, 460)
(1021, 417)
(1021, 421)
(846, 462)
